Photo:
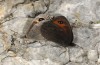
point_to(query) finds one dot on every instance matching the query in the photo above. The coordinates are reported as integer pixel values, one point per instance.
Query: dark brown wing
(53, 33)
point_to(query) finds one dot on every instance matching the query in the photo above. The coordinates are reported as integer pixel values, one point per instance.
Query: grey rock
(9, 4)
(1, 46)
(76, 54)
(73, 63)
(14, 61)
(39, 7)
(55, 54)
(24, 10)
(92, 55)
(17, 15)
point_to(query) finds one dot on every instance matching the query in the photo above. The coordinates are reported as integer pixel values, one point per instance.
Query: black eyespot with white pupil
(60, 22)
(41, 19)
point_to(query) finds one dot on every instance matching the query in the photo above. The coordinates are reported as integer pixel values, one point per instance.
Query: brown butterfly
(56, 29)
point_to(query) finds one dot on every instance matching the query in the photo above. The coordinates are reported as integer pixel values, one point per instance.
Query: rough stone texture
(55, 54)
(17, 15)
(92, 55)
(76, 55)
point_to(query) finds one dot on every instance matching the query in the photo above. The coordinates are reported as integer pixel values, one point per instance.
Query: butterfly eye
(41, 19)
(60, 22)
